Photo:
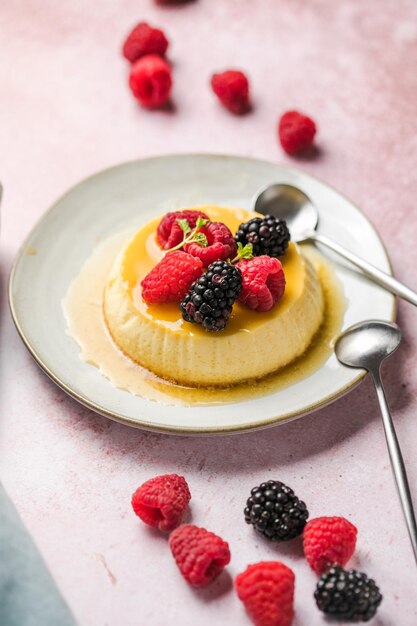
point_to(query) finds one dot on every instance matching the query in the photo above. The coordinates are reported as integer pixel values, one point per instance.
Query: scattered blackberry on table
(210, 299)
(275, 512)
(268, 235)
(347, 595)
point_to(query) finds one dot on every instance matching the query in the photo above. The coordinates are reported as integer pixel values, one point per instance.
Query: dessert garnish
(161, 501)
(232, 89)
(169, 233)
(267, 591)
(171, 278)
(210, 300)
(263, 282)
(328, 541)
(347, 595)
(275, 511)
(199, 554)
(268, 235)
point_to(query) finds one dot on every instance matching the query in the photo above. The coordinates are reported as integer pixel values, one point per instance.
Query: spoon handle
(397, 463)
(380, 277)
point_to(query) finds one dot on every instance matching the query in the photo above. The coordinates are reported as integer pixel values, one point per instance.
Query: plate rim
(162, 428)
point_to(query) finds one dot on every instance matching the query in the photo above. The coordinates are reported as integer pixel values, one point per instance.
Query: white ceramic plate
(111, 200)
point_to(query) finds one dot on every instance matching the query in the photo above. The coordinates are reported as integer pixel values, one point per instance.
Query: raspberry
(199, 554)
(142, 40)
(161, 501)
(348, 596)
(150, 81)
(328, 541)
(169, 233)
(232, 89)
(171, 278)
(296, 132)
(220, 244)
(210, 299)
(263, 282)
(267, 591)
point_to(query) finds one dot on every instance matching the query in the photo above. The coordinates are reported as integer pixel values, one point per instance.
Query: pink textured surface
(65, 113)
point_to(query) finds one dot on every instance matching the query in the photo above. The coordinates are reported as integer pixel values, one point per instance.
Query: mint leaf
(244, 252)
(201, 221)
(201, 239)
(184, 225)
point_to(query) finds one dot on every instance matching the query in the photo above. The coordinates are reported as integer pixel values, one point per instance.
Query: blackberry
(350, 596)
(210, 299)
(275, 512)
(268, 235)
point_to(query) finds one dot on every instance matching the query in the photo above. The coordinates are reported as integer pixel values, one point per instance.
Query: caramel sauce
(83, 311)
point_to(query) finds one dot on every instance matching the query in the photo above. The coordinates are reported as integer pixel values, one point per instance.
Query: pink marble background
(65, 113)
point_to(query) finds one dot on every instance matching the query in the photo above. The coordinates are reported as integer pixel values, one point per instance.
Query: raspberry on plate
(150, 81)
(171, 278)
(267, 591)
(142, 40)
(200, 555)
(263, 282)
(232, 89)
(220, 244)
(296, 132)
(169, 233)
(328, 541)
(161, 501)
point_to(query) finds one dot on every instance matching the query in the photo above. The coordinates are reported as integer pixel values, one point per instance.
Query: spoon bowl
(290, 204)
(367, 344)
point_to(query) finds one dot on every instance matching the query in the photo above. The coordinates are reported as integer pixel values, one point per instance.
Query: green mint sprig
(243, 252)
(191, 235)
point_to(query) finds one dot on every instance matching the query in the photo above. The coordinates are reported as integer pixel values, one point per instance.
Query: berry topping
(210, 299)
(219, 244)
(150, 81)
(232, 89)
(142, 40)
(275, 511)
(161, 501)
(171, 278)
(267, 591)
(350, 596)
(263, 282)
(296, 132)
(169, 233)
(328, 541)
(199, 554)
(268, 235)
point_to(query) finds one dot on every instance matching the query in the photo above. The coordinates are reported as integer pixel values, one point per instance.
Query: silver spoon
(365, 346)
(293, 205)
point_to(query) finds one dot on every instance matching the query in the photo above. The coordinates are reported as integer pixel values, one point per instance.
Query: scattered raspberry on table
(328, 541)
(267, 591)
(263, 282)
(171, 278)
(161, 501)
(232, 89)
(150, 81)
(200, 555)
(169, 233)
(144, 39)
(296, 132)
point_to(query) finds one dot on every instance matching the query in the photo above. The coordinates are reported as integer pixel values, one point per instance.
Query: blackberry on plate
(275, 512)
(347, 595)
(268, 235)
(211, 297)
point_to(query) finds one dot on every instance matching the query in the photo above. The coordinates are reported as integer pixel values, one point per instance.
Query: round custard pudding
(252, 345)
